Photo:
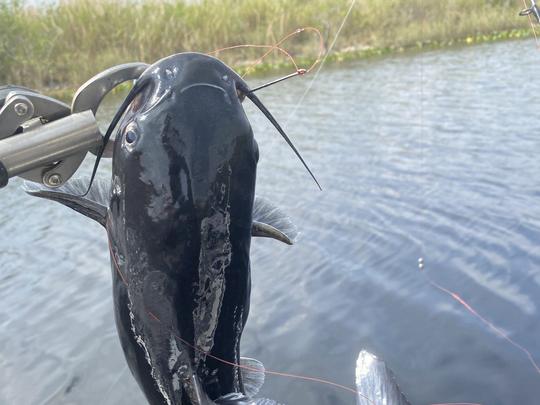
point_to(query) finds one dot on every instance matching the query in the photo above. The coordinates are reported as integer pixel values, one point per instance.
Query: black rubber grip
(4, 177)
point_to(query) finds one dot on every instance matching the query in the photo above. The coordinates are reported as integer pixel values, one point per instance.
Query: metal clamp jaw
(45, 140)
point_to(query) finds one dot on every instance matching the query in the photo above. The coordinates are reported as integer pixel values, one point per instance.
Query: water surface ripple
(431, 155)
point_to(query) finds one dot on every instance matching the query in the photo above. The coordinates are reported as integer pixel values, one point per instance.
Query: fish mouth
(205, 85)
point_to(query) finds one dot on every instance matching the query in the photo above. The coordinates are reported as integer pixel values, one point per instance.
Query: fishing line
(423, 165)
(270, 372)
(292, 34)
(455, 296)
(249, 93)
(241, 366)
(139, 84)
(277, 46)
(271, 47)
(316, 75)
(299, 72)
(498, 331)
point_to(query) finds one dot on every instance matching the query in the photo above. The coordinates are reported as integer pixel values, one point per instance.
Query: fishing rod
(45, 140)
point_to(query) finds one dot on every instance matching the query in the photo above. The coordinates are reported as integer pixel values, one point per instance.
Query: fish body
(179, 214)
(181, 229)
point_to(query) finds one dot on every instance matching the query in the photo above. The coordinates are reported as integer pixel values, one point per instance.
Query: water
(431, 156)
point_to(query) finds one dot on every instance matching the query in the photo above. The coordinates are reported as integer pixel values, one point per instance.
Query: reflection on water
(432, 155)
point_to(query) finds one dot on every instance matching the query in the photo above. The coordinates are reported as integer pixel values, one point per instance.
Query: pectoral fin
(271, 222)
(93, 205)
(252, 375)
(252, 379)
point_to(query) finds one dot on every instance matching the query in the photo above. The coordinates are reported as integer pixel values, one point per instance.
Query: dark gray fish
(180, 213)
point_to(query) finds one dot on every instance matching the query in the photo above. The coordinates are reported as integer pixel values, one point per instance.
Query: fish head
(185, 144)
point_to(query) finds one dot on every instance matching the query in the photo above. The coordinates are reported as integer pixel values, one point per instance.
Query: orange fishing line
(299, 31)
(272, 47)
(277, 46)
(270, 372)
(277, 373)
(494, 328)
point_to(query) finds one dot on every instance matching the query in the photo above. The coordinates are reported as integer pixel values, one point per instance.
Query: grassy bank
(60, 46)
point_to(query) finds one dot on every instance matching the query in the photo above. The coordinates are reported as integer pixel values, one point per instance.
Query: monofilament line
(312, 82)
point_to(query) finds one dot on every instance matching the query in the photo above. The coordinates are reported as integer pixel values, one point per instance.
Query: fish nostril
(241, 95)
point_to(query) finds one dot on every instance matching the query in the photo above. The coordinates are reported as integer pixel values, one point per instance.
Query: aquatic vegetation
(59, 46)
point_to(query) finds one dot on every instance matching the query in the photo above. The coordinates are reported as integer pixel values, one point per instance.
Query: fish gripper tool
(45, 140)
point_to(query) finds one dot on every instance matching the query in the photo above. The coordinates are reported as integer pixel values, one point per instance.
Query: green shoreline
(351, 55)
(338, 57)
(55, 48)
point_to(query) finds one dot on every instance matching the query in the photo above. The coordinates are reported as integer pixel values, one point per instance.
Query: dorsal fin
(94, 205)
(270, 221)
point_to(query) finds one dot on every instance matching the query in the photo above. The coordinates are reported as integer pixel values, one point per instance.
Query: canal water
(431, 156)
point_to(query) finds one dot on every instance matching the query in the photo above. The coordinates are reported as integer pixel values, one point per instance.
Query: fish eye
(131, 136)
